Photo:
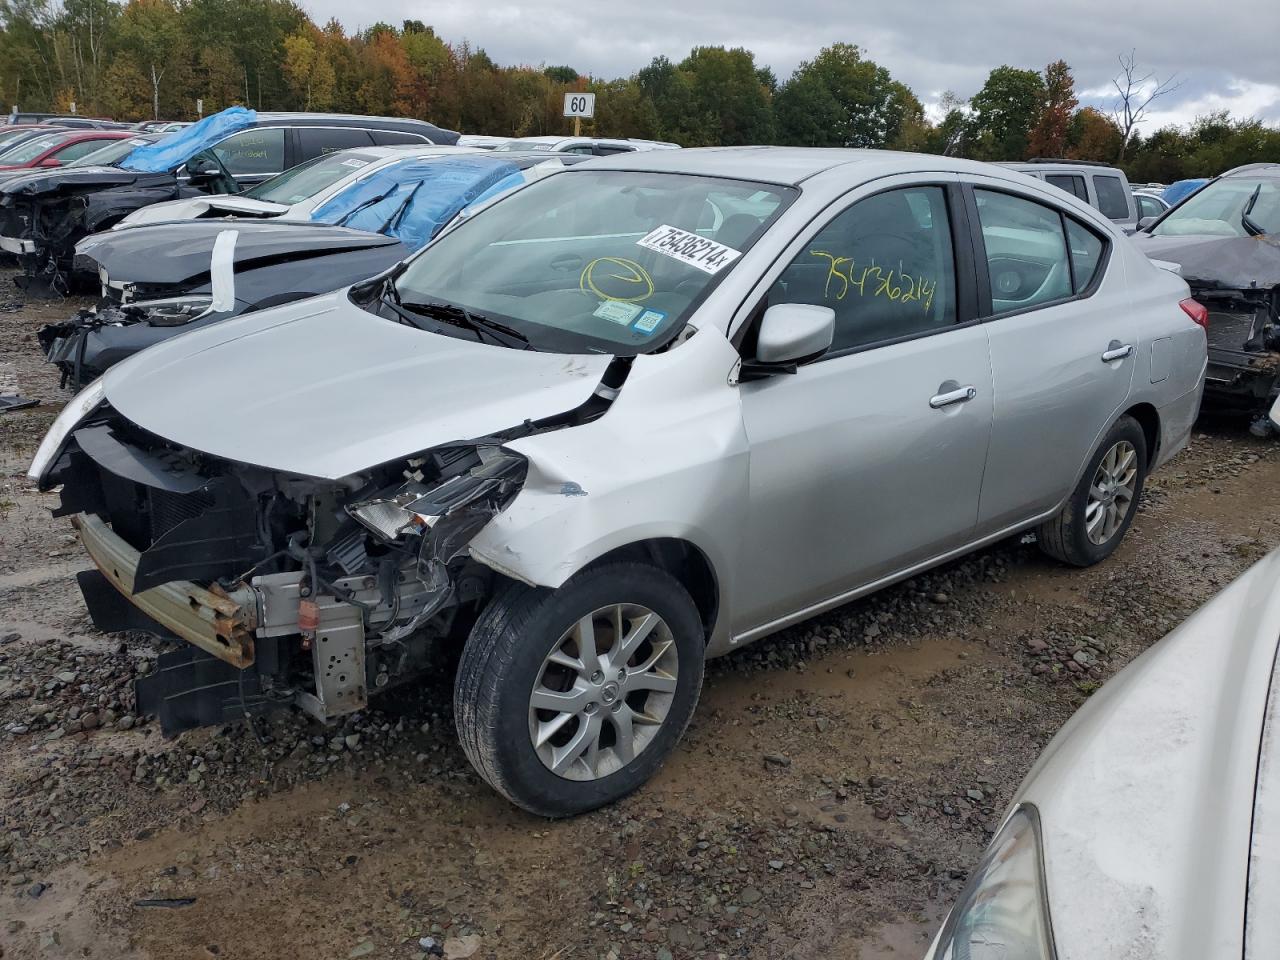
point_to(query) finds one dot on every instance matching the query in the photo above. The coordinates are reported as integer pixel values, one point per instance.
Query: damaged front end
(289, 589)
(42, 218)
(1244, 350)
(98, 337)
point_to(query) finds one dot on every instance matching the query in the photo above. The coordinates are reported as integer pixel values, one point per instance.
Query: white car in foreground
(1150, 826)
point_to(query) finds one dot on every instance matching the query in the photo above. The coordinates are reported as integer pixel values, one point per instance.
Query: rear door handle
(959, 395)
(1116, 351)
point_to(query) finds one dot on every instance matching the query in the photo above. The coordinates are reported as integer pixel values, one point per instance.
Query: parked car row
(385, 396)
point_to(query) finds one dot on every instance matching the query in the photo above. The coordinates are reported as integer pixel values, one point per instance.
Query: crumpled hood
(1229, 263)
(173, 253)
(325, 389)
(222, 205)
(1146, 795)
(79, 178)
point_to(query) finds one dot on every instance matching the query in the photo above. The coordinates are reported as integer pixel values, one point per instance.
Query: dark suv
(43, 215)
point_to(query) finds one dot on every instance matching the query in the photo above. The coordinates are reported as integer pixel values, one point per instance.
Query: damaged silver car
(636, 414)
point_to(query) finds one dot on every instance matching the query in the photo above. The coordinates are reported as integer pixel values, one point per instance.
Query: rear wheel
(1095, 518)
(569, 699)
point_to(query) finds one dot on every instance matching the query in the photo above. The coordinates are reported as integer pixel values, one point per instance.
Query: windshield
(308, 179)
(26, 152)
(603, 261)
(9, 136)
(512, 146)
(108, 156)
(1225, 208)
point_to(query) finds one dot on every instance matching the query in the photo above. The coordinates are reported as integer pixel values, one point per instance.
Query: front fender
(668, 460)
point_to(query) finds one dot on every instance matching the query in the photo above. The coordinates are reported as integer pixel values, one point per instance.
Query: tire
(508, 658)
(1068, 536)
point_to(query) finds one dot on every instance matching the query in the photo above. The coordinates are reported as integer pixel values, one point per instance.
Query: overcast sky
(1225, 53)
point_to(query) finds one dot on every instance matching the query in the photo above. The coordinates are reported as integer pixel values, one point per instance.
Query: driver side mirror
(790, 332)
(203, 170)
(1145, 222)
(50, 162)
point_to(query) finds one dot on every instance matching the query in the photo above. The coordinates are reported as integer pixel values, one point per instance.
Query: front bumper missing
(219, 623)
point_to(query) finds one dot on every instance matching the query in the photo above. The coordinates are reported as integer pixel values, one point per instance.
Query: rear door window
(255, 151)
(1026, 251)
(317, 141)
(1086, 254)
(1112, 199)
(1070, 182)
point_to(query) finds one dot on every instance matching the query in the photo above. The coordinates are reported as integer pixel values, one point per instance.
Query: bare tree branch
(1134, 95)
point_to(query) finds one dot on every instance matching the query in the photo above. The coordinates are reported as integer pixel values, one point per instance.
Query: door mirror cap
(1146, 222)
(794, 331)
(202, 170)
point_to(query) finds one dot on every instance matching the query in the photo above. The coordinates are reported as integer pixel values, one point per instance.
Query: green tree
(839, 99)
(1049, 136)
(1004, 111)
(151, 32)
(562, 74)
(730, 105)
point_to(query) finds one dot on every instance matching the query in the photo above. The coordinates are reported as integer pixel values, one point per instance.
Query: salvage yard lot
(836, 783)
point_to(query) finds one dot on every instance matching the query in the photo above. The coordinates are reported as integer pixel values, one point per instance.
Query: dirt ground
(834, 788)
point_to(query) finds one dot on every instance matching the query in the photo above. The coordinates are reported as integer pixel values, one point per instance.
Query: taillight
(1196, 310)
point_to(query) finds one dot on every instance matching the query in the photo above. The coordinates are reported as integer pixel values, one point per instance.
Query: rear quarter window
(1113, 199)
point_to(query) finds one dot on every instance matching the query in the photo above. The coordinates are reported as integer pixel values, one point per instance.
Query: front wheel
(567, 700)
(1094, 519)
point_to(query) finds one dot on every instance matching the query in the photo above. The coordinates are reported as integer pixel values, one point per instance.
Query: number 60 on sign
(579, 104)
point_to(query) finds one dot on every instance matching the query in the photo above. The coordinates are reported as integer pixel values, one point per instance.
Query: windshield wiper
(398, 214)
(462, 317)
(1250, 226)
(341, 221)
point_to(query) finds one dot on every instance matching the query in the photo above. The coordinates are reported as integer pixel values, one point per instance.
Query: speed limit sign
(579, 104)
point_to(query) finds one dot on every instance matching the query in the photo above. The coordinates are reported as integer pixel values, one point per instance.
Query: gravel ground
(836, 784)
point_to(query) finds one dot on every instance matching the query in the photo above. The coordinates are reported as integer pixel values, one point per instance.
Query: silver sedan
(636, 414)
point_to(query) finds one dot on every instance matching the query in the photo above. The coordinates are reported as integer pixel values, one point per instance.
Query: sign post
(200, 107)
(579, 105)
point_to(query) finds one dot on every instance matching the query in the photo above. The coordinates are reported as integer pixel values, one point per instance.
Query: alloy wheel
(603, 692)
(1111, 493)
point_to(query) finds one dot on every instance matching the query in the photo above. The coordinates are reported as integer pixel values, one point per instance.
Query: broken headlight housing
(173, 311)
(1003, 913)
(416, 506)
(81, 405)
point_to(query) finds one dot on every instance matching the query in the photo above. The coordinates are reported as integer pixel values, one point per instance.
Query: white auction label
(699, 252)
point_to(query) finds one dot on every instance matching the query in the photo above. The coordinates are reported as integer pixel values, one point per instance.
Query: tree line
(145, 59)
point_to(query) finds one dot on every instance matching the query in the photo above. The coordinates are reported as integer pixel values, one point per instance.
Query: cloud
(1226, 59)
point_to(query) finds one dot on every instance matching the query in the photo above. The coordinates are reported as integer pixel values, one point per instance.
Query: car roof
(266, 118)
(789, 166)
(1255, 170)
(1072, 166)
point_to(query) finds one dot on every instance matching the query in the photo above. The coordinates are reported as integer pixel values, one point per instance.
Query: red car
(58, 146)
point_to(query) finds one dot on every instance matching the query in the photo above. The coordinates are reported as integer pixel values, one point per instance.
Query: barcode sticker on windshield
(689, 248)
(353, 162)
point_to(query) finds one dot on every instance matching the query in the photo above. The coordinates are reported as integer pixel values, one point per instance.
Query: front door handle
(1116, 351)
(958, 395)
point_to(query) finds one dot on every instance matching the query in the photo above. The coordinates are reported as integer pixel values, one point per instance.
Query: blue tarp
(413, 199)
(177, 148)
(1182, 188)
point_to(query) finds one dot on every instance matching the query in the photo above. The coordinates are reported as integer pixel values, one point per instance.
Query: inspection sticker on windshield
(618, 311)
(649, 321)
(353, 162)
(698, 252)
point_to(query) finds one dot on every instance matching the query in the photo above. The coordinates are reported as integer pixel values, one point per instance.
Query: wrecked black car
(1225, 240)
(161, 280)
(201, 276)
(43, 215)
